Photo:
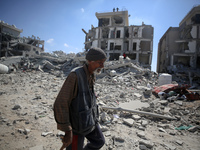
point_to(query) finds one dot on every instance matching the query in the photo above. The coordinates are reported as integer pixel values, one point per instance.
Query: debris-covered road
(27, 121)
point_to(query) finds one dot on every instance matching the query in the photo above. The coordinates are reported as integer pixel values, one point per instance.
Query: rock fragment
(129, 122)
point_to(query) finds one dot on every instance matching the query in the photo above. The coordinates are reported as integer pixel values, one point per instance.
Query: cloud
(66, 45)
(50, 41)
(82, 10)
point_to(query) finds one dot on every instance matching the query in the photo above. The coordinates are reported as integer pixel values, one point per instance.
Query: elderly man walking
(75, 107)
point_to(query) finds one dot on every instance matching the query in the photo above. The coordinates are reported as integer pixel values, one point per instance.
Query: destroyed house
(179, 47)
(117, 38)
(11, 44)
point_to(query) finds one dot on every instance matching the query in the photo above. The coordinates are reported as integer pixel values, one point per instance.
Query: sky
(60, 22)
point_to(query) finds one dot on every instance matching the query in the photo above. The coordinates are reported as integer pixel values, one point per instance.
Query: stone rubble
(29, 90)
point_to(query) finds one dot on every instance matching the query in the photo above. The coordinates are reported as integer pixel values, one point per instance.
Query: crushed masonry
(31, 85)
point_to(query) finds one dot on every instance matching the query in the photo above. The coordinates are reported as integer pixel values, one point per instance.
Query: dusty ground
(27, 122)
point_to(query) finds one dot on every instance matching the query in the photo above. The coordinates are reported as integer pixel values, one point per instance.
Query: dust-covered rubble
(27, 95)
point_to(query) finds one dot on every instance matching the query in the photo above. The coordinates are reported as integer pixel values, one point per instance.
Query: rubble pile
(132, 114)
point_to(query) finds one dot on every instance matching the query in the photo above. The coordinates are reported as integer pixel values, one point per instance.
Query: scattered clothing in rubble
(169, 90)
(183, 127)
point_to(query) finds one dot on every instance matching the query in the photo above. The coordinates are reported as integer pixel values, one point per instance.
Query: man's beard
(97, 71)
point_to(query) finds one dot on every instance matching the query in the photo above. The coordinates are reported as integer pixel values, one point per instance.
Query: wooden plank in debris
(140, 112)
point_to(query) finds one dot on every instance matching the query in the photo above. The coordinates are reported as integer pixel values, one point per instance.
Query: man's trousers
(95, 140)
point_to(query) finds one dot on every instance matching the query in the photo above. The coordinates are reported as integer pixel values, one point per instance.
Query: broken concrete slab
(129, 122)
(49, 65)
(147, 143)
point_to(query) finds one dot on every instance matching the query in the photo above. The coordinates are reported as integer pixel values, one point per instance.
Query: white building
(116, 37)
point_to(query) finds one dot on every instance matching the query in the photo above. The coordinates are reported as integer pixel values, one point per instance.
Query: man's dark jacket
(83, 109)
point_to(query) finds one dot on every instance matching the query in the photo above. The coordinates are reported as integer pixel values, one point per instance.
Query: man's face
(96, 66)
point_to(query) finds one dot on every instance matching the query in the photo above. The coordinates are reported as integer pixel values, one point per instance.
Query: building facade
(179, 47)
(117, 38)
(11, 44)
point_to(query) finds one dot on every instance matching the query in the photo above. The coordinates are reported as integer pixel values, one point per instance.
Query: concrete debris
(162, 130)
(147, 143)
(144, 123)
(129, 122)
(141, 134)
(31, 85)
(194, 129)
(46, 133)
(16, 107)
(24, 131)
(136, 117)
(49, 65)
(143, 147)
(179, 142)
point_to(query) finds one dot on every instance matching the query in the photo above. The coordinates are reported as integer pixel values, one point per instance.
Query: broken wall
(114, 56)
(147, 32)
(105, 32)
(104, 22)
(135, 45)
(145, 45)
(104, 44)
(182, 60)
(135, 32)
(144, 59)
(117, 20)
(132, 56)
(10, 32)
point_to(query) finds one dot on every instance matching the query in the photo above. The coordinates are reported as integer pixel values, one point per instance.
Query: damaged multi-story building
(179, 47)
(117, 38)
(11, 44)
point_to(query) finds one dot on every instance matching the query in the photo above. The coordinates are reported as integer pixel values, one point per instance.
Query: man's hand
(67, 139)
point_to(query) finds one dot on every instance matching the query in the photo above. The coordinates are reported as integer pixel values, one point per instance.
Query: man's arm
(61, 108)
(63, 101)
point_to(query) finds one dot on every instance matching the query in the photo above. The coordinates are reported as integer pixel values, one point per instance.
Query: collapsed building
(117, 38)
(179, 47)
(11, 44)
